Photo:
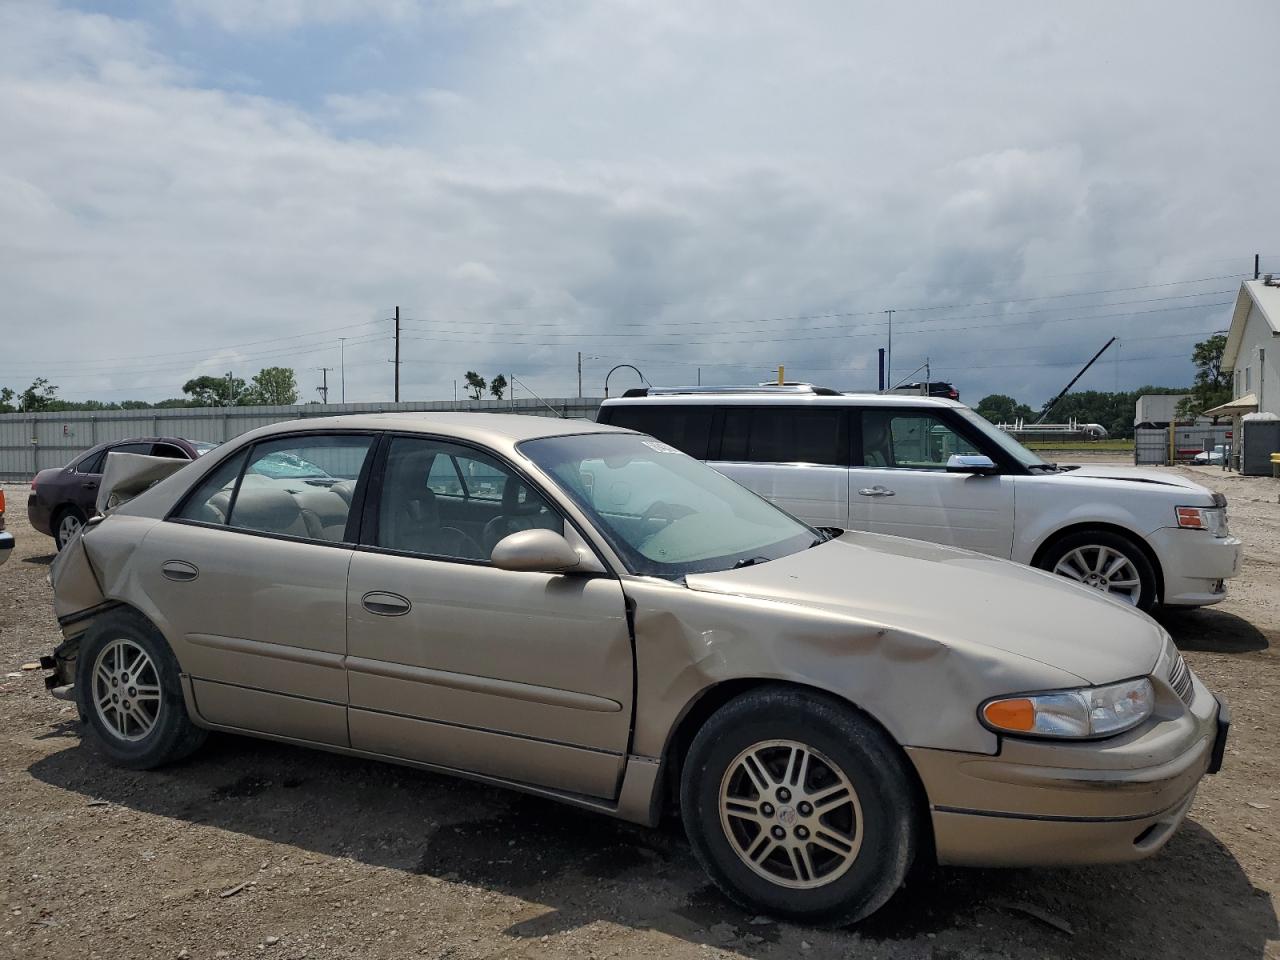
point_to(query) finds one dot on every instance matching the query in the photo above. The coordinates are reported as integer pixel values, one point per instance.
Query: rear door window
(785, 435)
(687, 428)
(92, 463)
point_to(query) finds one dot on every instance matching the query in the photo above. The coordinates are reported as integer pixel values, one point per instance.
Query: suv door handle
(876, 491)
(179, 570)
(385, 604)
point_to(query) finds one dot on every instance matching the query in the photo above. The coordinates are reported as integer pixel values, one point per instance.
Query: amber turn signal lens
(1016, 714)
(1190, 517)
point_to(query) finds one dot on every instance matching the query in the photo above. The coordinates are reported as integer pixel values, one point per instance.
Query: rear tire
(127, 685)
(1087, 556)
(65, 523)
(799, 807)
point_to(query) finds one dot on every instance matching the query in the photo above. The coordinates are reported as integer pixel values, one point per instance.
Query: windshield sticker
(659, 446)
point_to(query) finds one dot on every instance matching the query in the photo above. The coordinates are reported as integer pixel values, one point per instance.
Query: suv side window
(687, 428)
(784, 434)
(910, 440)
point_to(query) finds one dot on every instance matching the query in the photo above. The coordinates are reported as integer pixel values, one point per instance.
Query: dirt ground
(254, 849)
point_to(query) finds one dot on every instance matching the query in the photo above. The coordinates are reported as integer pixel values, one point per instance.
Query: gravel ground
(254, 849)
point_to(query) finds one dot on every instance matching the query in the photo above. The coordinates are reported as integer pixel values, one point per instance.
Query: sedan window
(444, 500)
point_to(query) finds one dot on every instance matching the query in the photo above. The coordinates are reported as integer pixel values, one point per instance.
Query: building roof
(1267, 300)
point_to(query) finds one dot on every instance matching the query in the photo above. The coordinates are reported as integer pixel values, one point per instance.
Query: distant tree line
(271, 386)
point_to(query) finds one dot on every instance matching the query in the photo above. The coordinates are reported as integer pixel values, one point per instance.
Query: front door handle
(179, 570)
(386, 604)
(876, 491)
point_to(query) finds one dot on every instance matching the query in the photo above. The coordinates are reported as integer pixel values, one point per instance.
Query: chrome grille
(1180, 679)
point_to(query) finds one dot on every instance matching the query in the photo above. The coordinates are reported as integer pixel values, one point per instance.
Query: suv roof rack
(759, 388)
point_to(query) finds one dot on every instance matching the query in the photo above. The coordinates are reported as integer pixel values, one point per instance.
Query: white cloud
(665, 176)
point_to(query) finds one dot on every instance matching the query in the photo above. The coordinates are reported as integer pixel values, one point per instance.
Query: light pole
(342, 365)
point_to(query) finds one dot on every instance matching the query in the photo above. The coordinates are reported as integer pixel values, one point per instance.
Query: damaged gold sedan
(585, 613)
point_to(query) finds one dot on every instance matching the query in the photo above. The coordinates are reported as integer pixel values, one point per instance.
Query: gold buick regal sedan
(586, 613)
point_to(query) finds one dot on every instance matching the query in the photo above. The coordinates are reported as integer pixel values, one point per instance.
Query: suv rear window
(688, 429)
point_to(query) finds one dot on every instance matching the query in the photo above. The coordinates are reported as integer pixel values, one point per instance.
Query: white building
(1253, 350)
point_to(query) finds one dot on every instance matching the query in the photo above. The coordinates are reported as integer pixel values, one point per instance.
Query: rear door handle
(386, 604)
(876, 491)
(179, 570)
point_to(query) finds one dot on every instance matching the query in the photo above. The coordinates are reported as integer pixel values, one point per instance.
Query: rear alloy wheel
(69, 521)
(128, 690)
(799, 807)
(1107, 562)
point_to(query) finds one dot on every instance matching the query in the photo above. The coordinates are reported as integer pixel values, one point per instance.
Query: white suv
(932, 469)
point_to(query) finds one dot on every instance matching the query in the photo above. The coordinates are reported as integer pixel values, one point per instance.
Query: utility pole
(342, 364)
(888, 357)
(397, 361)
(1257, 265)
(579, 374)
(323, 390)
(231, 388)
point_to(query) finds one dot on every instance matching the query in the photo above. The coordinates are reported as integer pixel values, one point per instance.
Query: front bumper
(1042, 803)
(1195, 565)
(6, 546)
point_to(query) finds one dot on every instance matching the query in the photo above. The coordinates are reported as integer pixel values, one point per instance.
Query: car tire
(128, 690)
(858, 847)
(66, 517)
(1087, 555)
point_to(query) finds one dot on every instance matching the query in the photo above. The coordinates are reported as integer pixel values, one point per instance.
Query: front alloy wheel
(1104, 561)
(799, 806)
(791, 814)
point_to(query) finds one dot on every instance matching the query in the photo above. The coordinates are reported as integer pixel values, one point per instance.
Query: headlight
(1213, 519)
(1078, 714)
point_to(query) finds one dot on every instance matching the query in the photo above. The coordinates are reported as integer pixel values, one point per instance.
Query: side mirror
(970, 463)
(535, 551)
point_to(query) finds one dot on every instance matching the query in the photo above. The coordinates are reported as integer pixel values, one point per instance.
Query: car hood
(1129, 474)
(957, 596)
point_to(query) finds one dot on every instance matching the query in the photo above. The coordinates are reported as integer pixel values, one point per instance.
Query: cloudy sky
(701, 189)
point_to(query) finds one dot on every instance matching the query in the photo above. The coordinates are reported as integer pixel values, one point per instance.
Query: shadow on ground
(1212, 631)
(43, 561)
(1193, 900)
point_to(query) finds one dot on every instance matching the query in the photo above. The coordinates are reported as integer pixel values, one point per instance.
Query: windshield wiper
(750, 562)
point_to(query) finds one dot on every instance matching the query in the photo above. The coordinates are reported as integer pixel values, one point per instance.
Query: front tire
(1105, 561)
(128, 688)
(799, 807)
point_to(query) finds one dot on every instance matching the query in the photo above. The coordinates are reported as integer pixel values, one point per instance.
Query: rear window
(688, 429)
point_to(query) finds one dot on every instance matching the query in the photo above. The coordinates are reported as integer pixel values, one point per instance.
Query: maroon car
(62, 498)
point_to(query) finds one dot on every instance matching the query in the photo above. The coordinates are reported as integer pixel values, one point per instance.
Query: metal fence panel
(60, 436)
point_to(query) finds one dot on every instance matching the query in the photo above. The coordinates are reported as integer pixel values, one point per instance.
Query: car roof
(483, 428)
(801, 399)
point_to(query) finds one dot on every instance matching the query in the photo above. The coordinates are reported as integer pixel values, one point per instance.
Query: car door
(248, 580)
(792, 455)
(900, 483)
(451, 661)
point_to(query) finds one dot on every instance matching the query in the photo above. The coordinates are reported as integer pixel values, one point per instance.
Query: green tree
(271, 386)
(6, 400)
(41, 395)
(498, 385)
(1001, 408)
(213, 391)
(1212, 384)
(476, 384)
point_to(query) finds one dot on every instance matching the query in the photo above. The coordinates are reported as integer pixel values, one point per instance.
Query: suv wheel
(1104, 561)
(799, 807)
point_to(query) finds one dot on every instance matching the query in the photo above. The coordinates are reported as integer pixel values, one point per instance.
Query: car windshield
(665, 513)
(1003, 440)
